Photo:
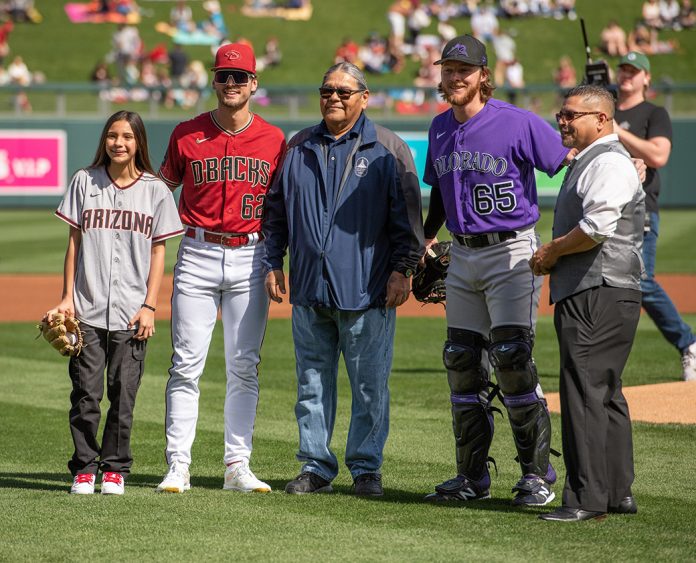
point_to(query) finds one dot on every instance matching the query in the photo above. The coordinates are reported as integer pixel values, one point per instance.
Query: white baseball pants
(207, 277)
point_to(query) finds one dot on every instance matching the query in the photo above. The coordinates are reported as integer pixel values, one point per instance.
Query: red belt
(223, 239)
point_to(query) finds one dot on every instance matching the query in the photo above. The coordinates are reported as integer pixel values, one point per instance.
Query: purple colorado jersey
(484, 168)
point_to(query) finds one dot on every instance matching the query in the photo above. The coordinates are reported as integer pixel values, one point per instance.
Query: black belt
(487, 239)
(222, 238)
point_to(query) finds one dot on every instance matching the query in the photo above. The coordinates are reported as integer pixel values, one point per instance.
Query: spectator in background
(669, 13)
(101, 74)
(645, 40)
(565, 76)
(484, 22)
(126, 46)
(18, 72)
(396, 14)
(178, 60)
(687, 16)
(428, 73)
(374, 55)
(5, 30)
(565, 9)
(418, 20)
(646, 131)
(214, 26)
(347, 52)
(613, 40)
(271, 54)
(651, 14)
(181, 17)
(504, 46)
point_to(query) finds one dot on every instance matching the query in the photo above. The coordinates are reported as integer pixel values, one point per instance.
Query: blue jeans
(366, 340)
(656, 302)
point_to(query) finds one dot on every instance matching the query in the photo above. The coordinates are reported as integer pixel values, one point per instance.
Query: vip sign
(32, 162)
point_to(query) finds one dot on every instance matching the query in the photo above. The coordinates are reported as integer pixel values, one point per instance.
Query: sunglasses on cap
(343, 93)
(239, 77)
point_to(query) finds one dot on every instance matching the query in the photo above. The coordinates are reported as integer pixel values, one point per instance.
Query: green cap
(636, 60)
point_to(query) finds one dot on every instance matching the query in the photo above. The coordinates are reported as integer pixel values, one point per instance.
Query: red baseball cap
(236, 56)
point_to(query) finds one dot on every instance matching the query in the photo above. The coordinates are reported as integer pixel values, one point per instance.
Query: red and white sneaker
(112, 484)
(83, 484)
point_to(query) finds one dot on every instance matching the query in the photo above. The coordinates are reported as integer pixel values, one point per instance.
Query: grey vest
(617, 261)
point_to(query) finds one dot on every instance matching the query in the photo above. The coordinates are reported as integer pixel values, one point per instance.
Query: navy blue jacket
(343, 251)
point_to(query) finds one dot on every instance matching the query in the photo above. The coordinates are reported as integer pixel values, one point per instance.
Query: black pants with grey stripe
(595, 331)
(123, 359)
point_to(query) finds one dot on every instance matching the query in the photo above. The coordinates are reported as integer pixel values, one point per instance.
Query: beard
(235, 105)
(463, 99)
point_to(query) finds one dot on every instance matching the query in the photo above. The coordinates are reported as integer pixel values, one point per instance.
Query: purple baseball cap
(465, 49)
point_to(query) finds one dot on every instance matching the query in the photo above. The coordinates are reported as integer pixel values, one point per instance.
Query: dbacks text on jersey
(238, 168)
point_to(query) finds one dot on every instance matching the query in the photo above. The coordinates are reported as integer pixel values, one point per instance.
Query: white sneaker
(83, 484)
(689, 363)
(177, 480)
(238, 477)
(112, 484)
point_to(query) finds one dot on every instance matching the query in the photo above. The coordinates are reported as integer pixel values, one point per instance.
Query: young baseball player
(225, 160)
(481, 159)
(120, 215)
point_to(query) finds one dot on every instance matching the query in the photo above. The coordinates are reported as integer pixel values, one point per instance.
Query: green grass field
(34, 241)
(41, 521)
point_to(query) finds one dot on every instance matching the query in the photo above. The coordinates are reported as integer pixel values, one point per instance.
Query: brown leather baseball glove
(63, 333)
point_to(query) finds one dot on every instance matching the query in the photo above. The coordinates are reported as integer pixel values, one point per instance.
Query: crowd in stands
(13, 69)
(656, 16)
(418, 31)
(132, 72)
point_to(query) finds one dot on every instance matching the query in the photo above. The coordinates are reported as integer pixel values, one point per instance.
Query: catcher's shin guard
(531, 429)
(510, 353)
(472, 420)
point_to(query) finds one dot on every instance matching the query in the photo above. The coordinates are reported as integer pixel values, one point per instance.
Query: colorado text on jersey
(465, 160)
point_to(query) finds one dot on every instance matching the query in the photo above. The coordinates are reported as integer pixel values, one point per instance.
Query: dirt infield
(28, 297)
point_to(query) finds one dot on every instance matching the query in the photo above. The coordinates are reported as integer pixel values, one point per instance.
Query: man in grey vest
(595, 265)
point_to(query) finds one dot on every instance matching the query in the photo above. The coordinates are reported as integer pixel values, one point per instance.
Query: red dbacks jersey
(224, 174)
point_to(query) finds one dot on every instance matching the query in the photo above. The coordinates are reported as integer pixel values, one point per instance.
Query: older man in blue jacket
(347, 206)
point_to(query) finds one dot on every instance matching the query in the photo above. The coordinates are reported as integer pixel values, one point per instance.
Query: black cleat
(308, 482)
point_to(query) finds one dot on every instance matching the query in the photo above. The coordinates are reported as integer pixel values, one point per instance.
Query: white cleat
(177, 480)
(689, 363)
(83, 484)
(238, 477)
(112, 484)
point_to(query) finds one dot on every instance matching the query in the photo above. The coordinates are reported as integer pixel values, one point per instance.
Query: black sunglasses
(570, 116)
(343, 93)
(239, 77)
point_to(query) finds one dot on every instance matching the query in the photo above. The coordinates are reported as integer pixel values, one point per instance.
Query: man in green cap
(646, 132)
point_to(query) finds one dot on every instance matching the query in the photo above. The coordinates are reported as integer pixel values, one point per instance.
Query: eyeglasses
(570, 116)
(344, 93)
(239, 77)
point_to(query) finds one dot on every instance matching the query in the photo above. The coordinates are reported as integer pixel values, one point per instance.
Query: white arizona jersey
(119, 225)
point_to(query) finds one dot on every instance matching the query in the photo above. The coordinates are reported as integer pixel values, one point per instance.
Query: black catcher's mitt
(429, 282)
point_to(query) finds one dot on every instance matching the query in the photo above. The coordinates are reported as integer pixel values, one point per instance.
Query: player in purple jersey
(481, 159)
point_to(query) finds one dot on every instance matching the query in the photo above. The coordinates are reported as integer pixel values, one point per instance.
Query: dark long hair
(142, 155)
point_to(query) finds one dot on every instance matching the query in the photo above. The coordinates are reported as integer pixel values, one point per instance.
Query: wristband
(148, 307)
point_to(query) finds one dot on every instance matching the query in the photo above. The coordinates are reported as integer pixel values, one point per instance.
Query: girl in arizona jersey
(120, 215)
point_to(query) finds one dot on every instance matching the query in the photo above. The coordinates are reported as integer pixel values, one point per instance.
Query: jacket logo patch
(361, 166)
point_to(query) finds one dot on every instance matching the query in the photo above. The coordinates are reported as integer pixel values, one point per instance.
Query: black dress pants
(595, 330)
(123, 359)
